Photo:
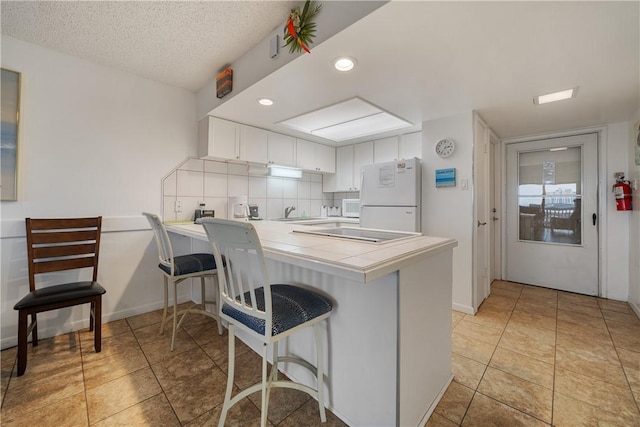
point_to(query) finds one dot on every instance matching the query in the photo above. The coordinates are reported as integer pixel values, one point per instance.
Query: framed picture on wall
(10, 99)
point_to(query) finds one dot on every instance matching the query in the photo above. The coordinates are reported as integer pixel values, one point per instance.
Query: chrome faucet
(287, 211)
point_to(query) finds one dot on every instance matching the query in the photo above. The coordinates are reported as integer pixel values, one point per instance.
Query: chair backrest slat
(62, 264)
(60, 244)
(165, 251)
(245, 268)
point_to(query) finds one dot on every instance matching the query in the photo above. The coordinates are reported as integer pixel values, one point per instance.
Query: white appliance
(390, 195)
(351, 208)
(238, 208)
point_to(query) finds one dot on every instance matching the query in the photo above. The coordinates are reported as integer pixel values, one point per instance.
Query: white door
(481, 253)
(552, 232)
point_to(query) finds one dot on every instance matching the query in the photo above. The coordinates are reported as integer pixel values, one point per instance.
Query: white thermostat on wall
(445, 147)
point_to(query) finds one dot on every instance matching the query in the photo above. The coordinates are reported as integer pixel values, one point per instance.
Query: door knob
(594, 217)
(495, 218)
(481, 223)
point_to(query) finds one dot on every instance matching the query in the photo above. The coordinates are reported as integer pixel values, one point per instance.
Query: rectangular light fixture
(556, 96)
(284, 172)
(346, 120)
(558, 149)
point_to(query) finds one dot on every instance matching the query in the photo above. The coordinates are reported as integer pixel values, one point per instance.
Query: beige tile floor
(531, 356)
(534, 357)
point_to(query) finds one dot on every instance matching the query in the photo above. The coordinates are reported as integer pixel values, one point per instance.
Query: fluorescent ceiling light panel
(346, 120)
(556, 96)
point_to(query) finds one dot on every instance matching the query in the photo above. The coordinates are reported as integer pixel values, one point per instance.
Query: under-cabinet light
(556, 96)
(284, 172)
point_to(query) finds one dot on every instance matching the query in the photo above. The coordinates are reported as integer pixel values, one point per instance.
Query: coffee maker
(238, 208)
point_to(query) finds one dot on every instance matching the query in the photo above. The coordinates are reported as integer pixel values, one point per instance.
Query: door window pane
(549, 196)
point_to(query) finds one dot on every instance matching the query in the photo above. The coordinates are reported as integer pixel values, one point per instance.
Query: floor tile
(466, 371)
(524, 367)
(471, 348)
(540, 292)
(624, 335)
(532, 318)
(203, 332)
(154, 411)
(613, 305)
(101, 371)
(242, 414)
(523, 395)
(507, 293)
(631, 364)
(487, 334)
(146, 319)
(499, 302)
(191, 399)
(65, 344)
(584, 331)
(283, 402)
(543, 307)
(629, 318)
(309, 415)
(456, 316)
(454, 402)
(70, 411)
(118, 345)
(568, 297)
(490, 317)
(218, 349)
(186, 366)
(109, 329)
(610, 398)
(569, 412)
(509, 286)
(530, 341)
(117, 395)
(158, 347)
(580, 308)
(485, 411)
(437, 420)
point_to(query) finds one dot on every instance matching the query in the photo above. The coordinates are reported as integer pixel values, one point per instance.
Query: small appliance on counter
(239, 208)
(351, 208)
(202, 213)
(334, 211)
(253, 212)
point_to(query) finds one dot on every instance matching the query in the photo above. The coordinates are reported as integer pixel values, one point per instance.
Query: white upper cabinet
(315, 157)
(218, 139)
(253, 144)
(282, 149)
(344, 168)
(385, 150)
(410, 145)
(362, 156)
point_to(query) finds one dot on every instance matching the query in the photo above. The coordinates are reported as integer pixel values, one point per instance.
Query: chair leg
(175, 315)
(320, 371)
(231, 372)
(97, 321)
(22, 342)
(216, 289)
(92, 312)
(34, 331)
(166, 304)
(264, 406)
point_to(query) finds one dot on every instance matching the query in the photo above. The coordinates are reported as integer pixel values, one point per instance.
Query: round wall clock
(445, 147)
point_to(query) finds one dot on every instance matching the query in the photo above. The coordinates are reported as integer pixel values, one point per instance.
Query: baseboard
(463, 308)
(432, 408)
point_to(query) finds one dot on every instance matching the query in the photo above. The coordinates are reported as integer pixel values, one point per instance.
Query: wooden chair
(177, 269)
(59, 245)
(265, 311)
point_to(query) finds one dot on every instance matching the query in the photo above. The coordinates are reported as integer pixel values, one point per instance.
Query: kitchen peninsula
(389, 336)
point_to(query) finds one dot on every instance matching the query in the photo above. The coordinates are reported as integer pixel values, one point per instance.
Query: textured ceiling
(183, 44)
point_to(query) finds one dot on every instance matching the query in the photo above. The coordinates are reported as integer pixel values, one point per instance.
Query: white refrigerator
(390, 195)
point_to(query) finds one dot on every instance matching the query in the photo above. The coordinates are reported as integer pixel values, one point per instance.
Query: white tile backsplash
(214, 182)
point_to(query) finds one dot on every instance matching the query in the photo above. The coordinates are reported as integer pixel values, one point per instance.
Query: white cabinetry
(362, 156)
(281, 149)
(385, 150)
(253, 144)
(315, 157)
(218, 139)
(410, 146)
(344, 168)
(349, 161)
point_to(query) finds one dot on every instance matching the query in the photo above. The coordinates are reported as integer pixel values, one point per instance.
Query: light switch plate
(464, 184)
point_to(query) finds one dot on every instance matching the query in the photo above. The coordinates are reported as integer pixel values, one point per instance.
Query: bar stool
(267, 312)
(177, 269)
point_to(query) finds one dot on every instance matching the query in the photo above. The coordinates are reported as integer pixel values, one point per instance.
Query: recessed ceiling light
(556, 96)
(265, 101)
(344, 63)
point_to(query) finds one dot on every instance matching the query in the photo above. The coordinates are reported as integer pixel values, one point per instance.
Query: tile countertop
(359, 261)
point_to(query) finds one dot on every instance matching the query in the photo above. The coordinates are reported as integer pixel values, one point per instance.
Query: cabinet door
(281, 149)
(385, 150)
(362, 156)
(253, 144)
(218, 139)
(305, 154)
(411, 145)
(344, 168)
(325, 158)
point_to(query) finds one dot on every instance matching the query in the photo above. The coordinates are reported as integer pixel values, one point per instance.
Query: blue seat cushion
(291, 305)
(192, 263)
(59, 293)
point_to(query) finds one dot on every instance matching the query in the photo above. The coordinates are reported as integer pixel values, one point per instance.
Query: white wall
(616, 253)
(634, 221)
(94, 141)
(448, 212)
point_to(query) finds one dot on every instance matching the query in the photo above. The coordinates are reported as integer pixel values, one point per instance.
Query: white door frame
(496, 202)
(601, 131)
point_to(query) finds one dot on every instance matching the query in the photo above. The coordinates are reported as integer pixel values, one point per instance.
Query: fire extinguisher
(622, 191)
